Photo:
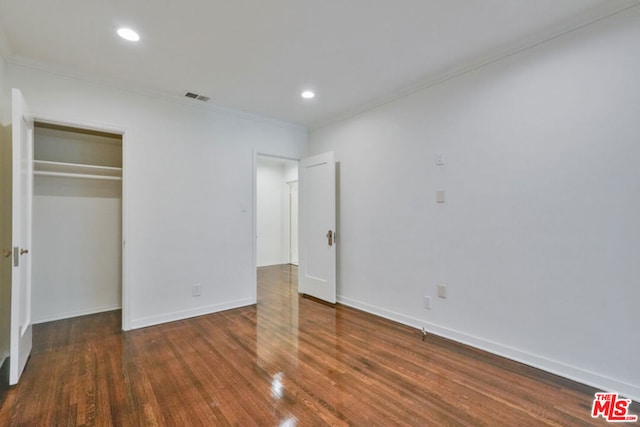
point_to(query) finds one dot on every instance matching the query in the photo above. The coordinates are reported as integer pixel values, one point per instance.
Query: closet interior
(77, 222)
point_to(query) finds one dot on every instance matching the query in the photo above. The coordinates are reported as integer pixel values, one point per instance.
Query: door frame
(290, 185)
(254, 215)
(122, 131)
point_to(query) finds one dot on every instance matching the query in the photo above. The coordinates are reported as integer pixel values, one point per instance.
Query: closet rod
(77, 175)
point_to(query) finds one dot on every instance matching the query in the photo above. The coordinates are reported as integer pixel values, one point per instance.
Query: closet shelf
(76, 170)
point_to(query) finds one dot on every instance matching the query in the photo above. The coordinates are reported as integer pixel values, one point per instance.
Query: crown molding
(549, 33)
(591, 16)
(121, 85)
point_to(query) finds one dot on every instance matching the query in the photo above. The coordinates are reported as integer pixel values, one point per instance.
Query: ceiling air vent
(196, 96)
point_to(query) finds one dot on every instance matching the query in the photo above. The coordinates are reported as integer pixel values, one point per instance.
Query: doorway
(276, 211)
(276, 250)
(77, 222)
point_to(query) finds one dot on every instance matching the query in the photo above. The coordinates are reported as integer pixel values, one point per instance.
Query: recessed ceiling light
(307, 94)
(128, 34)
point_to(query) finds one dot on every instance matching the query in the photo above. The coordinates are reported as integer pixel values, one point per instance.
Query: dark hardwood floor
(287, 361)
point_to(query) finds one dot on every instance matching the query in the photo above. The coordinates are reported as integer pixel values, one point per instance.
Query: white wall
(273, 209)
(538, 240)
(76, 252)
(186, 222)
(290, 171)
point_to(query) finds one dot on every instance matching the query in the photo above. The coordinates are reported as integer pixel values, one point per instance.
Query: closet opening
(77, 222)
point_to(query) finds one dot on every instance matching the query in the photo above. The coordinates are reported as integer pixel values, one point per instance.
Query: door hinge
(16, 256)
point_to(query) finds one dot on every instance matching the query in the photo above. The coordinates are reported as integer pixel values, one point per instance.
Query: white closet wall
(77, 224)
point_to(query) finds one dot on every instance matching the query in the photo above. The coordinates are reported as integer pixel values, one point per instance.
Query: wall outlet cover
(196, 290)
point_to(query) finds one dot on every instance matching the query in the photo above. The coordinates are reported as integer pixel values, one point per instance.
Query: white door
(317, 219)
(22, 196)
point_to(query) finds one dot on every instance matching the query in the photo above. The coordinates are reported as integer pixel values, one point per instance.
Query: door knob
(24, 251)
(330, 237)
(6, 253)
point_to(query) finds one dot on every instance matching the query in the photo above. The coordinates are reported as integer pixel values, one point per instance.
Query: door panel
(22, 197)
(317, 218)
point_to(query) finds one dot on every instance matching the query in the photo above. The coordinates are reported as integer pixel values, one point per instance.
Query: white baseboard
(592, 379)
(185, 314)
(76, 313)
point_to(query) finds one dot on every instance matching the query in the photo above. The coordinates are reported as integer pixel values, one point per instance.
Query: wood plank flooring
(288, 361)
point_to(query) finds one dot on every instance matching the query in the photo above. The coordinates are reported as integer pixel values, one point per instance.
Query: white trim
(126, 283)
(589, 17)
(118, 84)
(254, 226)
(89, 125)
(592, 379)
(192, 312)
(77, 313)
(592, 15)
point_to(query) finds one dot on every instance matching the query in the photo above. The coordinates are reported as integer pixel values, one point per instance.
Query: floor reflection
(285, 338)
(277, 317)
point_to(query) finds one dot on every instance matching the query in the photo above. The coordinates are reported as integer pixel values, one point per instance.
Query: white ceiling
(258, 55)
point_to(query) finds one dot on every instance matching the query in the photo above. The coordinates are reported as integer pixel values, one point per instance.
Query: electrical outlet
(195, 290)
(442, 290)
(427, 302)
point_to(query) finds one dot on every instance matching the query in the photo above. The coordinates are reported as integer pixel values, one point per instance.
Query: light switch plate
(442, 290)
(440, 196)
(427, 302)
